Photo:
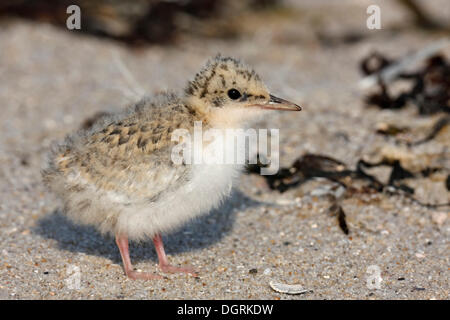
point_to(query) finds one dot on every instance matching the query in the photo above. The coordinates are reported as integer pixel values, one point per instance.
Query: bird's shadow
(200, 233)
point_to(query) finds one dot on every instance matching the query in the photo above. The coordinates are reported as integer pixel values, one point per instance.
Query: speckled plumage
(122, 166)
(118, 175)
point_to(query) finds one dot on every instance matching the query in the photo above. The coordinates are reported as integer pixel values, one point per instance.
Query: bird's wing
(131, 159)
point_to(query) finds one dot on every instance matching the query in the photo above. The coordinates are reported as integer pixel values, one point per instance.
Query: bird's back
(126, 153)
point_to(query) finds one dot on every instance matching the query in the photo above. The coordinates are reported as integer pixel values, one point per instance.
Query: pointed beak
(276, 103)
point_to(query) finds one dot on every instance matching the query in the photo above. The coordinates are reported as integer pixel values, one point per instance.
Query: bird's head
(228, 92)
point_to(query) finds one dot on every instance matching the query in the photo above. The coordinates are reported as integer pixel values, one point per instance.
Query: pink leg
(122, 243)
(164, 263)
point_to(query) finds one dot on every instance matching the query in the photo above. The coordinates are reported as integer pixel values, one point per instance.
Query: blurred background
(141, 22)
(384, 139)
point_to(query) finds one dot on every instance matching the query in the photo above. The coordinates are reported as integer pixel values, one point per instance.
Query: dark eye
(234, 94)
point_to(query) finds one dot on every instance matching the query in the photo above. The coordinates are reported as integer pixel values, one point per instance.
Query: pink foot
(172, 269)
(122, 243)
(142, 275)
(164, 263)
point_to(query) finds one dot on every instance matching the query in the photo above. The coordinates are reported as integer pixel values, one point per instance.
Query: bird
(119, 176)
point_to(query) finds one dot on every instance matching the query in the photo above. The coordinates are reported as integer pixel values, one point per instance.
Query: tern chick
(119, 175)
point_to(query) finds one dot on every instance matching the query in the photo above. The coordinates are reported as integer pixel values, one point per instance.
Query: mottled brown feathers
(221, 74)
(139, 138)
(117, 173)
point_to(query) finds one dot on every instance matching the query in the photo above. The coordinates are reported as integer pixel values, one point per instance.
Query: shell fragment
(287, 288)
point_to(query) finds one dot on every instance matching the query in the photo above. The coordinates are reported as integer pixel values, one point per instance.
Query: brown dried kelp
(373, 63)
(138, 22)
(437, 127)
(337, 210)
(134, 22)
(397, 173)
(316, 166)
(390, 129)
(319, 166)
(430, 86)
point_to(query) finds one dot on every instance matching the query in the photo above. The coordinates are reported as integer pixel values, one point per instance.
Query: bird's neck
(216, 117)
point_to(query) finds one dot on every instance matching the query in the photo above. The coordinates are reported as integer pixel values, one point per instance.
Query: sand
(52, 80)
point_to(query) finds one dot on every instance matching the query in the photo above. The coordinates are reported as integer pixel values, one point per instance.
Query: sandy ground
(51, 81)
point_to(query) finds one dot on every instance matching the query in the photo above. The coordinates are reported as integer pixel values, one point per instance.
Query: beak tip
(287, 105)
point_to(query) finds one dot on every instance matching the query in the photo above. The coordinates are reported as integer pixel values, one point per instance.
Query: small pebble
(253, 271)
(439, 217)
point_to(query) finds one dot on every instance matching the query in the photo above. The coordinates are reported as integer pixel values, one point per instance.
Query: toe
(173, 269)
(135, 275)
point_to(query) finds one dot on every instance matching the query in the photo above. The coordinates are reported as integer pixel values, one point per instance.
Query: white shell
(287, 288)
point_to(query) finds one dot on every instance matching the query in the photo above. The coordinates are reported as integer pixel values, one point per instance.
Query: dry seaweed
(336, 209)
(319, 166)
(304, 168)
(133, 22)
(430, 86)
(374, 63)
(136, 22)
(397, 173)
(390, 129)
(437, 127)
